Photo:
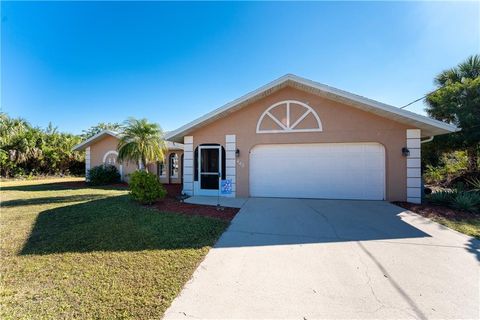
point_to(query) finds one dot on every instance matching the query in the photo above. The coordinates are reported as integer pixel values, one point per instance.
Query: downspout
(427, 140)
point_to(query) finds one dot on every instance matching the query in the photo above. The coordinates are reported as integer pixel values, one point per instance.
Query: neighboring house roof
(428, 126)
(99, 136)
(174, 145)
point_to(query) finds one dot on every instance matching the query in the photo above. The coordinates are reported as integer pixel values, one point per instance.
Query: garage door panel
(336, 171)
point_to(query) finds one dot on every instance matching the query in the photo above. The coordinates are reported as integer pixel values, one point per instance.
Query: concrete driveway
(311, 259)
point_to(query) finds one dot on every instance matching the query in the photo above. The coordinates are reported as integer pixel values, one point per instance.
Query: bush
(145, 187)
(468, 179)
(474, 184)
(467, 201)
(102, 175)
(450, 166)
(442, 197)
(434, 175)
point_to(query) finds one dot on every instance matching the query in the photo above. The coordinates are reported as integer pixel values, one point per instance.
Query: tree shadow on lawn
(67, 185)
(45, 200)
(117, 224)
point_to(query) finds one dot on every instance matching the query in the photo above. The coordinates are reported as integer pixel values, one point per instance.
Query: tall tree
(31, 150)
(90, 132)
(457, 101)
(141, 142)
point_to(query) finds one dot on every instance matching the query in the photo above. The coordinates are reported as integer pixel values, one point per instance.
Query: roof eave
(429, 126)
(85, 144)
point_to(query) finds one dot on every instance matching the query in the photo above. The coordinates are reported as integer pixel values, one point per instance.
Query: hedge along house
(102, 149)
(298, 138)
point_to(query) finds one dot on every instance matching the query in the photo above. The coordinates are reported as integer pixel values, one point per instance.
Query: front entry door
(209, 169)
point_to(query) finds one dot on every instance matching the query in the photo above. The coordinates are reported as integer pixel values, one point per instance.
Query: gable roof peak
(429, 126)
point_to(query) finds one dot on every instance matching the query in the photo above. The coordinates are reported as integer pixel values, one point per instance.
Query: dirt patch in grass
(462, 221)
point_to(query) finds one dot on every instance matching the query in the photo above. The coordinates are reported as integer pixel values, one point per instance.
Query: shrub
(474, 183)
(467, 201)
(434, 175)
(469, 180)
(102, 175)
(442, 197)
(451, 165)
(145, 187)
(455, 161)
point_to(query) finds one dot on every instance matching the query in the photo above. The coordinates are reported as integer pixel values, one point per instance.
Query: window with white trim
(161, 169)
(173, 161)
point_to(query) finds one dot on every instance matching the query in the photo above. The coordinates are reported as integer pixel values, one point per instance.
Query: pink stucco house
(294, 138)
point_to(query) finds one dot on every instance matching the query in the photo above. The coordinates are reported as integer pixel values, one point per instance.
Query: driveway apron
(312, 259)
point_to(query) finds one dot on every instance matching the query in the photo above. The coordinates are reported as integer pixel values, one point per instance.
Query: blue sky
(79, 63)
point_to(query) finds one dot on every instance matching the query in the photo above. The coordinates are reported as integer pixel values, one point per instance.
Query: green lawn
(469, 227)
(92, 253)
(461, 221)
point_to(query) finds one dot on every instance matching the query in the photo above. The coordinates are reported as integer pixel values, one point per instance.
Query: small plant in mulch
(464, 197)
(467, 201)
(456, 199)
(442, 197)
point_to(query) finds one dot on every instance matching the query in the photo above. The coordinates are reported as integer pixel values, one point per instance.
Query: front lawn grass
(468, 226)
(92, 253)
(461, 221)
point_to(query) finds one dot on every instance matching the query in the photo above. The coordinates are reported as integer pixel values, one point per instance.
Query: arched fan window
(289, 116)
(110, 158)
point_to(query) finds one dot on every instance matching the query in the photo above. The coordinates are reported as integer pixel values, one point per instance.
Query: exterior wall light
(237, 153)
(405, 152)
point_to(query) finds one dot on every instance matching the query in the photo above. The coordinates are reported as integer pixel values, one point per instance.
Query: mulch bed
(434, 211)
(172, 204)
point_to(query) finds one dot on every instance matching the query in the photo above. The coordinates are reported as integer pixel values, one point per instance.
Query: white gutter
(427, 140)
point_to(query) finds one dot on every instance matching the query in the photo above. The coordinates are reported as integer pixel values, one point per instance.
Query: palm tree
(456, 101)
(11, 127)
(141, 142)
(469, 69)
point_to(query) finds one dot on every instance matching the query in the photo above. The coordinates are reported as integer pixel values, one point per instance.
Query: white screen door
(209, 169)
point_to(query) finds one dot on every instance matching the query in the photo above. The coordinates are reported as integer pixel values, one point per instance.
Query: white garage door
(321, 170)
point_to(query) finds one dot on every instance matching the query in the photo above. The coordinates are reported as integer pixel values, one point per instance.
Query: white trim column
(188, 165)
(414, 174)
(87, 162)
(230, 158)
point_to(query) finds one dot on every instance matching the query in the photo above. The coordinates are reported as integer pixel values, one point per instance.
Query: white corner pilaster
(414, 175)
(188, 165)
(230, 158)
(87, 162)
